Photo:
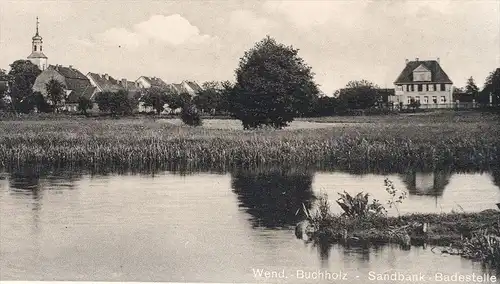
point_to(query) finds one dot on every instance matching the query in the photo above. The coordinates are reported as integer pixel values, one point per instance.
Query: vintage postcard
(232, 141)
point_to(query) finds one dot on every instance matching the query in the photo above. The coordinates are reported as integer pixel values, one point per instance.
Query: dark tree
(121, 103)
(325, 106)
(491, 86)
(84, 104)
(209, 98)
(115, 102)
(156, 98)
(273, 85)
(359, 95)
(4, 87)
(102, 100)
(4, 83)
(190, 115)
(22, 76)
(39, 101)
(55, 92)
(175, 101)
(471, 89)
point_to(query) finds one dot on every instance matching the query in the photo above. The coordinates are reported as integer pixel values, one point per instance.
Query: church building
(37, 57)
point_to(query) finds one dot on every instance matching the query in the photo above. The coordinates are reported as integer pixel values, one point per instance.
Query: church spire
(37, 56)
(37, 22)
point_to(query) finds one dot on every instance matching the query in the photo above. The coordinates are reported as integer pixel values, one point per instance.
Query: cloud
(120, 37)
(173, 30)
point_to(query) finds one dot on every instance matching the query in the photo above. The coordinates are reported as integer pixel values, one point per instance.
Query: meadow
(393, 143)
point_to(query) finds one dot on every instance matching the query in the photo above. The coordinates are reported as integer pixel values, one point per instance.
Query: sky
(203, 40)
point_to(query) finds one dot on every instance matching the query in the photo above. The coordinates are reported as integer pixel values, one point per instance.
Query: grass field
(460, 141)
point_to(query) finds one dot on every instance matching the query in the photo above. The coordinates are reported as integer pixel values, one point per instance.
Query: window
(434, 99)
(426, 100)
(417, 98)
(404, 87)
(415, 88)
(419, 88)
(443, 87)
(35, 47)
(443, 99)
(435, 88)
(408, 100)
(424, 88)
(430, 88)
(40, 48)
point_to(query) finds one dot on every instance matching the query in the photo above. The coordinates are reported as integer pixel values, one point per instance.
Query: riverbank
(471, 235)
(147, 144)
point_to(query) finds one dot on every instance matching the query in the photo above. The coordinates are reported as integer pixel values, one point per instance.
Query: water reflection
(495, 173)
(426, 183)
(25, 181)
(272, 196)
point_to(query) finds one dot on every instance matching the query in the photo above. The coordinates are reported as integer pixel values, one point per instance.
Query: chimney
(124, 83)
(406, 61)
(106, 76)
(438, 60)
(71, 67)
(416, 59)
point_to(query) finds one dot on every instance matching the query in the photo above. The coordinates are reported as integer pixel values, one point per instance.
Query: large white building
(37, 57)
(426, 82)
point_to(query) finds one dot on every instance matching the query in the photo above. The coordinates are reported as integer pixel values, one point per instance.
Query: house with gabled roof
(106, 83)
(145, 82)
(426, 82)
(188, 87)
(76, 85)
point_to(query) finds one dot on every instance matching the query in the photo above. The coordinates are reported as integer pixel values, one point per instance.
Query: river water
(206, 227)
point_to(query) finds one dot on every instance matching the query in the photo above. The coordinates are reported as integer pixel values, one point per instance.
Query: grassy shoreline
(128, 144)
(444, 229)
(474, 236)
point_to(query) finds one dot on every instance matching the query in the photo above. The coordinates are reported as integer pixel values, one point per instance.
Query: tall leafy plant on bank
(396, 196)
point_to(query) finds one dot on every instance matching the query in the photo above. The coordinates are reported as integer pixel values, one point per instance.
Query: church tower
(37, 57)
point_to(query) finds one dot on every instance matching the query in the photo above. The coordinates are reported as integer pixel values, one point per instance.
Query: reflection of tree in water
(272, 196)
(425, 183)
(26, 180)
(31, 180)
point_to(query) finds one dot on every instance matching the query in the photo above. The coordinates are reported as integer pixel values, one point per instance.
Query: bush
(358, 205)
(84, 104)
(191, 116)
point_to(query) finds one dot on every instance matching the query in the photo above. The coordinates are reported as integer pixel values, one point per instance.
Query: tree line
(273, 85)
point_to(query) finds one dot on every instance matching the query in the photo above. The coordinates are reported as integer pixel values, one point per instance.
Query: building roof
(437, 73)
(105, 82)
(179, 88)
(37, 54)
(156, 82)
(73, 97)
(68, 72)
(194, 86)
(75, 81)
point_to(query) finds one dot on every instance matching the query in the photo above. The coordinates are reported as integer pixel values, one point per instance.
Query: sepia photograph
(250, 141)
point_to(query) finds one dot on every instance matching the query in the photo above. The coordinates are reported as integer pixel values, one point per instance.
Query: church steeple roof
(36, 52)
(37, 36)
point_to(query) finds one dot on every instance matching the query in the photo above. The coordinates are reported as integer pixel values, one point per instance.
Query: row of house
(423, 81)
(77, 85)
